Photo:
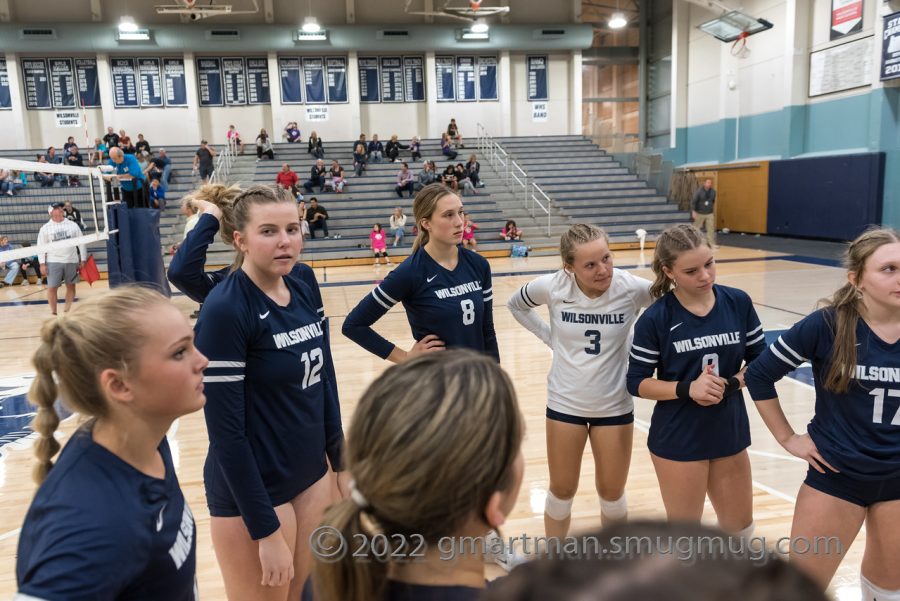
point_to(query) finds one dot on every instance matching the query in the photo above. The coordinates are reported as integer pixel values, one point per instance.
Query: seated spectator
(234, 139)
(405, 181)
(73, 214)
(30, 267)
(426, 176)
(473, 168)
(74, 159)
(160, 167)
(463, 179)
(511, 231)
(454, 135)
(361, 140)
(52, 157)
(142, 146)
(314, 146)
(70, 142)
(125, 143)
(287, 179)
(448, 178)
(378, 243)
(398, 222)
(415, 148)
(264, 146)
(12, 267)
(469, 227)
(375, 150)
(203, 161)
(98, 152)
(316, 177)
(111, 139)
(337, 180)
(359, 158)
(157, 195)
(304, 224)
(144, 162)
(447, 148)
(189, 210)
(393, 148)
(10, 182)
(45, 178)
(292, 132)
(131, 178)
(317, 217)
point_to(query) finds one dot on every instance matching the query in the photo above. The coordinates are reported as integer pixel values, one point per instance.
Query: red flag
(89, 272)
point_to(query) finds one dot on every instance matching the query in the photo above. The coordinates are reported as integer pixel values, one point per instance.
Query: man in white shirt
(60, 265)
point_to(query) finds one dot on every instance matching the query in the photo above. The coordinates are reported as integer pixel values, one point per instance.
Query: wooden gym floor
(784, 288)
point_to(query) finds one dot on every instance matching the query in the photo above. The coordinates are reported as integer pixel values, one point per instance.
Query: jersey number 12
(312, 365)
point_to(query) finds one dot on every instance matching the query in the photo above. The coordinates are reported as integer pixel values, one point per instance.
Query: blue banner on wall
(258, 81)
(890, 47)
(37, 83)
(209, 81)
(536, 67)
(414, 78)
(289, 70)
(369, 82)
(62, 82)
(314, 80)
(487, 78)
(176, 82)
(151, 82)
(234, 80)
(124, 80)
(445, 80)
(391, 79)
(465, 78)
(336, 69)
(5, 99)
(88, 82)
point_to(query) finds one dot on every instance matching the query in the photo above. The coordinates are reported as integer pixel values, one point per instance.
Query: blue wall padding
(133, 253)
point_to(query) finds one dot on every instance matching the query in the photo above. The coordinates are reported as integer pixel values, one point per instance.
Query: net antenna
(31, 187)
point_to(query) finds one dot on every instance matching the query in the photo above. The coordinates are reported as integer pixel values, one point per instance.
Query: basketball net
(739, 47)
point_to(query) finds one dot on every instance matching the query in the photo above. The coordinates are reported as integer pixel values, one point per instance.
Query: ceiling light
(480, 26)
(617, 21)
(311, 25)
(138, 35)
(127, 25)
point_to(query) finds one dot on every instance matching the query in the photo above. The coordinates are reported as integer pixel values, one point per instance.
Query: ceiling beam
(351, 12)
(268, 11)
(96, 11)
(5, 14)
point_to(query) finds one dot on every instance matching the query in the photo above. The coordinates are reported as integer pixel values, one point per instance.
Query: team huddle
(259, 363)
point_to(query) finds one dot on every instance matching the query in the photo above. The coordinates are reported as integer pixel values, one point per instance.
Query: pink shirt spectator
(379, 240)
(469, 231)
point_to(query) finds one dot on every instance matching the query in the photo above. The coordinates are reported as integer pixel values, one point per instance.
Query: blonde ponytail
(671, 243)
(43, 394)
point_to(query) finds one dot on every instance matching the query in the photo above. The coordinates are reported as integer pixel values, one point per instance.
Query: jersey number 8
(468, 310)
(312, 365)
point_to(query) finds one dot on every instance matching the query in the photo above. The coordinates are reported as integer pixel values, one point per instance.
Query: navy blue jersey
(455, 305)
(858, 431)
(678, 345)
(404, 591)
(98, 529)
(268, 408)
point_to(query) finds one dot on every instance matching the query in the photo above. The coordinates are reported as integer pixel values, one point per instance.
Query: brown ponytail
(671, 243)
(43, 395)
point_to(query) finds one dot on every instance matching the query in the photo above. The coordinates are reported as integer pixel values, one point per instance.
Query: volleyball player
(109, 520)
(593, 307)
(445, 289)
(852, 444)
(416, 480)
(696, 337)
(268, 414)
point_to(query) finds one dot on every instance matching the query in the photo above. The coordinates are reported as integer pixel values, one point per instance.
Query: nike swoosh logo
(264, 315)
(431, 278)
(568, 302)
(676, 325)
(159, 519)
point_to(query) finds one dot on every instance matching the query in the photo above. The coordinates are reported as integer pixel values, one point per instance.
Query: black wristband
(683, 390)
(732, 385)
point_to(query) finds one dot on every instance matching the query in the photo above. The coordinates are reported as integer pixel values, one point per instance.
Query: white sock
(871, 592)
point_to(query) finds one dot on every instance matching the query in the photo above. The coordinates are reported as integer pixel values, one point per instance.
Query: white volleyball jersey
(590, 339)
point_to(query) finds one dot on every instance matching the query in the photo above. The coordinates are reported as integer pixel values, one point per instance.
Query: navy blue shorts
(617, 420)
(856, 491)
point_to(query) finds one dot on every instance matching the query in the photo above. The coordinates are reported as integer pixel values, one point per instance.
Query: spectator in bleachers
(143, 161)
(292, 132)
(473, 169)
(130, 176)
(97, 153)
(359, 158)
(317, 217)
(142, 146)
(189, 210)
(125, 143)
(405, 181)
(361, 140)
(469, 228)
(30, 267)
(157, 195)
(393, 148)
(462, 178)
(314, 146)
(111, 139)
(454, 135)
(287, 179)
(12, 267)
(264, 146)
(448, 178)
(378, 243)
(304, 224)
(426, 176)
(415, 148)
(73, 214)
(74, 159)
(52, 157)
(316, 177)
(234, 138)
(447, 147)
(338, 179)
(375, 149)
(70, 142)
(203, 160)
(45, 178)
(511, 231)
(10, 182)
(60, 265)
(160, 167)
(398, 222)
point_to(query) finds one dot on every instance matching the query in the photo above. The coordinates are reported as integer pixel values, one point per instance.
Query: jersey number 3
(593, 337)
(877, 411)
(312, 365)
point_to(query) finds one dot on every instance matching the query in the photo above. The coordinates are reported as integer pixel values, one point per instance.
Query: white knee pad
(558, 509)
(871, 592)
(614, 510)
(746, 533)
